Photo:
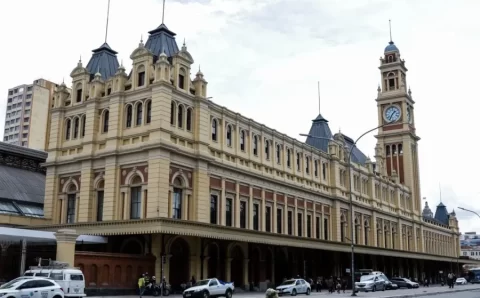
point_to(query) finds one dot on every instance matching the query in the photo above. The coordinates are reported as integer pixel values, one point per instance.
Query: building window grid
(213, 209)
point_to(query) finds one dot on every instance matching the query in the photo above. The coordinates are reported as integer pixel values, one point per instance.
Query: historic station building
(146, 159)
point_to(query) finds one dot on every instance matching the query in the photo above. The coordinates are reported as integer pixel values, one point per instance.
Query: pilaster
(86, 192)
(159, 184)
(201, 192)
(91, 127)
(116, 123)
(263, 212)
(223, 205)
(250, 209)
(66, 240)
(111, 202)
(50, 207)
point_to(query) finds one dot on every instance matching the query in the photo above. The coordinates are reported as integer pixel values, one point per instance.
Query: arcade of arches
(246, 263)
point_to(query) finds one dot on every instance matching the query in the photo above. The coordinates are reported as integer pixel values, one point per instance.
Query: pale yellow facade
(155, 135)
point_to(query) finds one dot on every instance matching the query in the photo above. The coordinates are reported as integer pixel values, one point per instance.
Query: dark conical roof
(320, 134)
(427, 212)
(161, 40)
(441, 214)
(104, 60)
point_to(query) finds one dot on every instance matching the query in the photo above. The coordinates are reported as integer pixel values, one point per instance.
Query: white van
(71, 280)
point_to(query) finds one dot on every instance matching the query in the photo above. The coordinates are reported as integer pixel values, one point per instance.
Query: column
(23, 260)
(66, 240)
(228, 269)
(223, 204)
(157, 252)
(159, 179)
(236, 208)
(245, 271)
(295, 218)
(111, 206)
(285, 215)
(201, 192)
(274, 213)
(305, 215)
(314, 221)
(263, 212)
(205, 267)
(250, 209)
(414, 236)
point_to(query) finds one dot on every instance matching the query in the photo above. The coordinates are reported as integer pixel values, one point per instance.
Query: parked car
(461, 281)
(210, 287)
(404, 283)
(370, 283)
(294, 287)
(32, 287)
(390, 285)
(71, 280)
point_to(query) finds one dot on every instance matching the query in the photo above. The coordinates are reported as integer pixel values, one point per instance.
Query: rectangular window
(309, 226)
(228, 212)
(71, 205)
(181, 81)
(317, 227)
(177, 203)
(279, 220)
(307, 165)
(141, 78)
(100, 205)
(325, 228)
(290, 222)
(213, 209)
(316, 168)
(255, 217)
(268, 219)
(324, 171)
(299, 224)
(135, 202)
(79, 95)
(243, 214)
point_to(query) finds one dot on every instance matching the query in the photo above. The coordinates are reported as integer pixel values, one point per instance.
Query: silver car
(370, 283)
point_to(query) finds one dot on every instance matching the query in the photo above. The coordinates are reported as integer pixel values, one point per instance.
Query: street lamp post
(352, 218)
(468, 210)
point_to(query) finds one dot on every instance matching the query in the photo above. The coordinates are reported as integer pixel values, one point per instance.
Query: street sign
(347, 270)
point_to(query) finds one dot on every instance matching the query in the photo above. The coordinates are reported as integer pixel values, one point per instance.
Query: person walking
(141, 285)
(319, 284)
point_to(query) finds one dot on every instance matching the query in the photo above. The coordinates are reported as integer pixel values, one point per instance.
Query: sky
(263, 59)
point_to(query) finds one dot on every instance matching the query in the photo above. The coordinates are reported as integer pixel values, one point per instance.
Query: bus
(473, 275)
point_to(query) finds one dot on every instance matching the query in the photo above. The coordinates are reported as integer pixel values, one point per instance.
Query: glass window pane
(8, 208)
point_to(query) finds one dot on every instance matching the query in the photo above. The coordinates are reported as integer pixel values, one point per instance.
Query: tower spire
(106, 26)
(390, 27)
(319, 105)
(163, 12)
(440, 187)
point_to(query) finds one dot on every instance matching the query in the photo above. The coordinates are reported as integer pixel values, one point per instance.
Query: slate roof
(161, 40)
(441, 214)
(104, 60)
(21, 185)
(357, 155)
(321, 134)
(391, 47)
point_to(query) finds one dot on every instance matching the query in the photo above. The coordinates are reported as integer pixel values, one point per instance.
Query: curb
(430, 294)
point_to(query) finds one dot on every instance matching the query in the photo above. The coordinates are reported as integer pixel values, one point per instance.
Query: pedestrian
(450, 280)
(344, 285)
(193, 281)
(319, 284)
(141, 285)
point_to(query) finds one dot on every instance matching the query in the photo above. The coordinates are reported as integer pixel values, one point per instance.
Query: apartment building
(28, 104)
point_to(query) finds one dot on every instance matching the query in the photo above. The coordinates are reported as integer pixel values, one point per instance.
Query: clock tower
(398, 139)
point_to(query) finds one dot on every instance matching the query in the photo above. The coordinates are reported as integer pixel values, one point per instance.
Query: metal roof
(104, 60)
(357, 155)
(391, 47)
(320, 134)
(21, 185)
(161, 40)
(441, 214)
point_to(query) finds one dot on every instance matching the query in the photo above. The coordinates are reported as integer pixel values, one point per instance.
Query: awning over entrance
(44, 237)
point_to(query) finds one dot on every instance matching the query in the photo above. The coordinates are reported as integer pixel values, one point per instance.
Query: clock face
(392, 114)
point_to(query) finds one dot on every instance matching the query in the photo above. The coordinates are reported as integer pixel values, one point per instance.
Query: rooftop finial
(199, 67)
(141, 38)
(319, 111)
(106, 26)
(184, 41)
(80, 60)
(163, 12)
(440, 187)
(390, 27)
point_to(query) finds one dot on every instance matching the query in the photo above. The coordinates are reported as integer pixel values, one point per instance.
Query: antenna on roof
(319, 97)
(106, 27)
(440, 187)
(163, 11)
(390, 26)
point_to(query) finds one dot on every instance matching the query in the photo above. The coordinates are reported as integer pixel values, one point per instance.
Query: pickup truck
(211, 287)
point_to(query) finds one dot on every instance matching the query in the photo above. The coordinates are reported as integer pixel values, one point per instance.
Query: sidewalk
(401, 293)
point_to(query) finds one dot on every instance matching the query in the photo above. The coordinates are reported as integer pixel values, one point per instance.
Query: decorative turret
(142, 59)
(97, 86)
(80, 77)
(62, 96)
(120, 79)
(182, 63)
(162, 68)
(104, 61)
(200, 84)
(427, 212)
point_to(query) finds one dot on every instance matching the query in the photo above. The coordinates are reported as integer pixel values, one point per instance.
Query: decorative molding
(21, 162)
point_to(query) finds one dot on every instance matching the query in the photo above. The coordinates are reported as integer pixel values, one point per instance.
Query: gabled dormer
(182, 63)
(142, 60)
(80, 77)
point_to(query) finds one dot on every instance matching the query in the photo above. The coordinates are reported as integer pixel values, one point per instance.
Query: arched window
(129, 116)
(267, 149)
(177, 203)
(229, 135)
(106, 116)
(214, 130)
(82, 133)
(189, 119)
(255, 145)
(76, 126)
(139, 114)
(135, 198)
(149, 111)
(180, 116)
(68, 128)
(278, 154)
(242, 140)
(289, 163)
(172, 112)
